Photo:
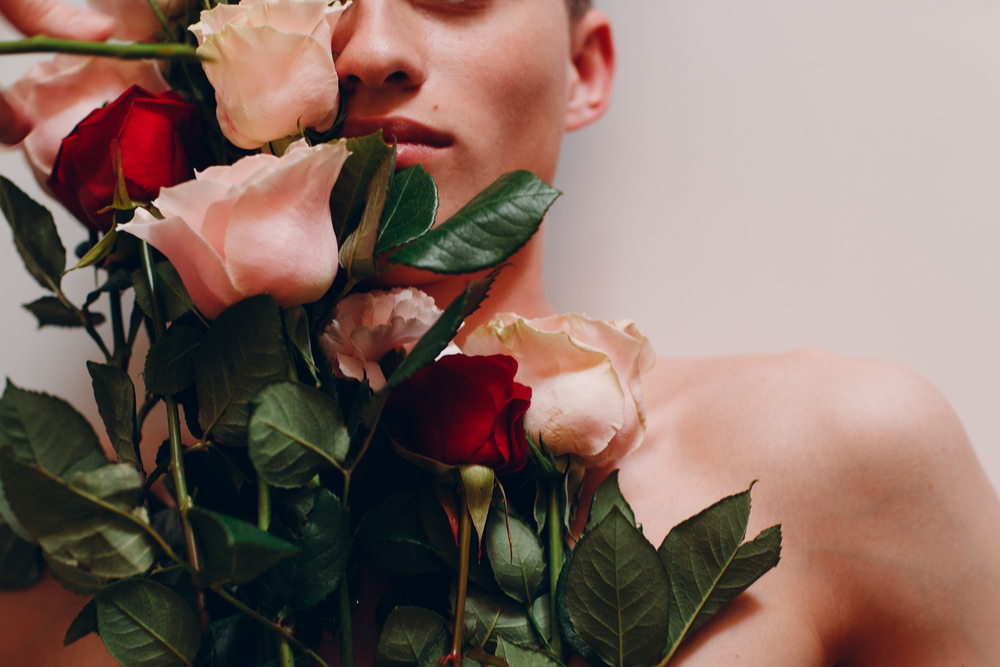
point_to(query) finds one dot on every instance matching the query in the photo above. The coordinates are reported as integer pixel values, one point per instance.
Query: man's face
(470, 88)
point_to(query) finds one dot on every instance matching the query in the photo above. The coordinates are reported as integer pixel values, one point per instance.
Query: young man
(891, 529)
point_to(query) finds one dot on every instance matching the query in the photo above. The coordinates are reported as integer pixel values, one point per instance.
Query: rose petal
(280, 237)
(199, 266)
(260, 104)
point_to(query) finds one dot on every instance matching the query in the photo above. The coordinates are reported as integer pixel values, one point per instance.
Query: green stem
(184, 503)
(42, 44)
(263, 620)
(555, 525)
(346, 629)
(118, 330)
(464, 540)
(263, 503)
(285, 655)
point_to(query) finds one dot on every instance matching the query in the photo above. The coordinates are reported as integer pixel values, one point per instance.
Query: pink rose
(260, 225)
(57, 94)
(272, 67)
(367, 325)
(585, 377)
(135, 19)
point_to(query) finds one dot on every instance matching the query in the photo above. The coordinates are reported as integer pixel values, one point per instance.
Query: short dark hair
(577, 8)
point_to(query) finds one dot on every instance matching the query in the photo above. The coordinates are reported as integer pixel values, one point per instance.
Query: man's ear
(592, 69)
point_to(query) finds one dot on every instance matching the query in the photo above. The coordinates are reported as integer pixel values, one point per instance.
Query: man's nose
(378, 44)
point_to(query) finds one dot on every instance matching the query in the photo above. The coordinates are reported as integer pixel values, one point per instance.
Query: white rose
(585, 377)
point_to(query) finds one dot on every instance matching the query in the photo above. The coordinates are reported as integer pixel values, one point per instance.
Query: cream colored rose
(585, 377)
(260, 225)
(271, 66)
(57, 94)
(367, 325)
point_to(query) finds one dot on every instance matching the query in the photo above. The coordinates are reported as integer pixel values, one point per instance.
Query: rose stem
(265, 621)
(555, 561)
(41, 44)
(346, 628)
(287, 659)
(184, 503)
(464, 540)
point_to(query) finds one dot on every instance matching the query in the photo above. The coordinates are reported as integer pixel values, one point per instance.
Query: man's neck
(518, 289)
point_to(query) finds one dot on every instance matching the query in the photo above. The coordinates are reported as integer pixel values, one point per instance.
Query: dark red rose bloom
(463, 410)
(158, 136)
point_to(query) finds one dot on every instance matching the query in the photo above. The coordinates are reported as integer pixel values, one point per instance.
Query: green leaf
(438, 336)
(357, 253)
(87, 521)
(412, 636)
(144, 624)
(170, 362)
(608, 495)
(410, 208)
(51, 312)
(84, 624)
(486, 231)
(173, 297)
(347, 201)
(46, 431)
(296, 432)
(499, 616)
(393, 537)
(100, 250)
(324, 540)
(35, 235)
(520, 575)
(523, 657)
(115, 396)
(19, 560)
(242, 352)
(617, 593)
(437, 529)
(234, 550)
(707, 566)
(297, 330)
(74, 579)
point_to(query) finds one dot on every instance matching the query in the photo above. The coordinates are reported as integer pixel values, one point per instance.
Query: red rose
(157, 134)
(463, 411)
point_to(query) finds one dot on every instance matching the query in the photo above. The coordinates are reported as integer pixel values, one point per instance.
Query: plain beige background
(772, 174)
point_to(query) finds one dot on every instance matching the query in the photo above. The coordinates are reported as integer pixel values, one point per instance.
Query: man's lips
(403, 130)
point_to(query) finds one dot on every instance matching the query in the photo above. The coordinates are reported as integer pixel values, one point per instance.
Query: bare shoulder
(891, 527)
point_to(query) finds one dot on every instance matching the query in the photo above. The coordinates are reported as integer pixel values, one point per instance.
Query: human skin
(891, 529)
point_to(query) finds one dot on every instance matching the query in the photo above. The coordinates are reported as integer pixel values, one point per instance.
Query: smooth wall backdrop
(772, 174)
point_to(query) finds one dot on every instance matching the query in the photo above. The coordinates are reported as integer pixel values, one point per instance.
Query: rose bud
(260, 225)
(463, 411)
(585, 376)
(271, 66)
(57, 94)
(367, 325)
(157, 133)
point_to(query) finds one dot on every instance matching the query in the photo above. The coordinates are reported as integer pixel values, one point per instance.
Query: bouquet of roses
(331, 428)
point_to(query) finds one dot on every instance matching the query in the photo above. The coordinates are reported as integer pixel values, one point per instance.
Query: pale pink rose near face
(367, 325)
(135, 19)
(56, 95)
(260, 225)
(272, 67)
(585, 377)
